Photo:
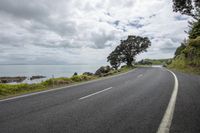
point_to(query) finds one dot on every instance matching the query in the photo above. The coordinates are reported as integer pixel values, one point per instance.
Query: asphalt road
(130, 103)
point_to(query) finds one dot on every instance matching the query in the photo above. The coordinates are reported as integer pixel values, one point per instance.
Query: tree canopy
(187, 7)
(180, 48)
(194, 28)
(126, 51)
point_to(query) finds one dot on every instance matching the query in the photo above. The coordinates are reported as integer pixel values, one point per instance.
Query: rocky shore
(18, 79)
(102, 71)
(37, 77)
(12, 79)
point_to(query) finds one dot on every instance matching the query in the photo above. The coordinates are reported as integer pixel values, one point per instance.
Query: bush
(103, 70)
(194, 30)
(195, 42)
(57, 81)
(79, 78)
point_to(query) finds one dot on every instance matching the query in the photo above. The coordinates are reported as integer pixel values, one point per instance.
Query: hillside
(187, 56)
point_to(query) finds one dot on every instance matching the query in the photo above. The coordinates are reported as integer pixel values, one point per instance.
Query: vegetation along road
(144, 100)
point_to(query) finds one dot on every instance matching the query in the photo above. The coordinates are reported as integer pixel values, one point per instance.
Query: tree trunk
(115, 67)
(129, 62)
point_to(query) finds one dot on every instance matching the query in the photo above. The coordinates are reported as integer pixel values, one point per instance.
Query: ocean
(45, 70)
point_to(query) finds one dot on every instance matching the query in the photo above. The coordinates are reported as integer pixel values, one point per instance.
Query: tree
(128, 49)
(187, 7)
(181, 48)
(194, 27)
(114, 59)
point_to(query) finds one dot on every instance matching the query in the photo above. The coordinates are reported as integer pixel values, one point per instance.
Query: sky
(85, 31)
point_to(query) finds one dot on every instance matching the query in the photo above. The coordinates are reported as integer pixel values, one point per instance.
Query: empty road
(135, 102)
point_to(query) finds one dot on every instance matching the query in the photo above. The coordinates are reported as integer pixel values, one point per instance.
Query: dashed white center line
(95, 93)
(139, 75)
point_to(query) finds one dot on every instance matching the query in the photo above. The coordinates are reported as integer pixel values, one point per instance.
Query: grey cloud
(24, 9)
(168, 50)
(116, 22)
(180, 18)
(101, 40)
(152, 16)
(136, 24)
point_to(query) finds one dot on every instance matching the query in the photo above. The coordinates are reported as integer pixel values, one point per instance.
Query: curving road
(134, 102)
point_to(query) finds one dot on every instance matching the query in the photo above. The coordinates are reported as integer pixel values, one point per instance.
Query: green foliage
(187, 7)
(126, 68)
(181, 63)
(180, 48)
(128, 49)
(178, 62)
(79, 78)
(57, 81)
(192, 52)
(195, 42)
(194, 29)
(189, 58)
(114, 59)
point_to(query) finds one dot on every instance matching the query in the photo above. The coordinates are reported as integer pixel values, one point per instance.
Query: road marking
(95, 93)
(60, 88)
(167, 118)
(139, 75)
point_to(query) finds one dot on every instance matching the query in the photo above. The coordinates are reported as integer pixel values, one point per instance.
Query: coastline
(10, 90)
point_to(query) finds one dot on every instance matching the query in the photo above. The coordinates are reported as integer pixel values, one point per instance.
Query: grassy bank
(8, 90)
(180, 63)
(187, 57)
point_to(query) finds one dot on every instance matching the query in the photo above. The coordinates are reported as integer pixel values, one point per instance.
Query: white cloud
(84, 32)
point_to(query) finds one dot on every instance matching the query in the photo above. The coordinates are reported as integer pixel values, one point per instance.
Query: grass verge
(10, 90)
(189, 70)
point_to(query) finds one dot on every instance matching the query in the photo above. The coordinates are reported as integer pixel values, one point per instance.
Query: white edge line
(55, 89)
(95, 93)
(168, 116)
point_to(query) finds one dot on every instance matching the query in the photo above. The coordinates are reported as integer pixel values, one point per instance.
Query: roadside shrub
(57, 81)
(103, 70)
(79, 78)
(48, 82)
(195, 42)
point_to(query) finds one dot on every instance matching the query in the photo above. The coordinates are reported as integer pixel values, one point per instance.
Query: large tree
(187, 7)
(128, 49)
(114, 59)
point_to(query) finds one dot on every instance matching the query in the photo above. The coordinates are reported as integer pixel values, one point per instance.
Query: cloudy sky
(84, 31)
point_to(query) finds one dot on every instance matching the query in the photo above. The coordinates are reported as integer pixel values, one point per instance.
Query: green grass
(180, 63)
(188, 60)
(9, 90)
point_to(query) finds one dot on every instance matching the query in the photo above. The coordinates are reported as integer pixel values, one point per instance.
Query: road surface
(135, 102)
